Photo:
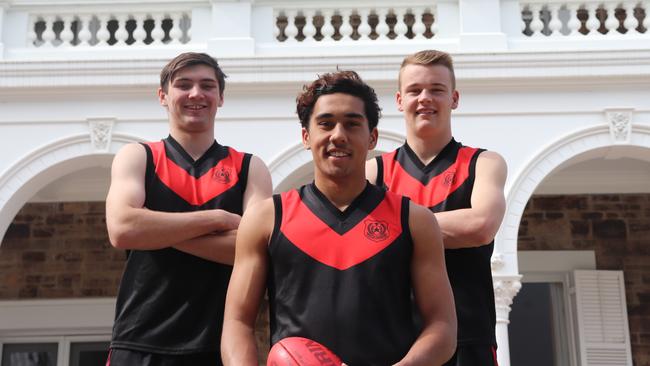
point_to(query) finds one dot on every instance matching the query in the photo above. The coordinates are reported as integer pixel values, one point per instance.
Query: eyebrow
(190, 79)
(348, 115)
(425, 84)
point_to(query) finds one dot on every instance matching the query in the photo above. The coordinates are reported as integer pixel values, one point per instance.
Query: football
(299, 351)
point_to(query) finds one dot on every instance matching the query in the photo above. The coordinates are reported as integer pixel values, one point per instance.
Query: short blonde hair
(429, 58)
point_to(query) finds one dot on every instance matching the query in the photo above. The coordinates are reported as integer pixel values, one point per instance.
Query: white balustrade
(591, 18)
(356, 24)
(108, 29)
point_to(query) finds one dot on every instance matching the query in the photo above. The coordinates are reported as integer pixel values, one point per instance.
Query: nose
(195, 91)
(425, 96)
(338, 135)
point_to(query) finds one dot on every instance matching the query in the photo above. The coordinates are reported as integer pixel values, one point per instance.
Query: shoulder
(130, 154)
(491, 161)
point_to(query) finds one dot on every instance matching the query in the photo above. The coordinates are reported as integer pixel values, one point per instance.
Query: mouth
(426, 112)
(195, 107)
(337, 154)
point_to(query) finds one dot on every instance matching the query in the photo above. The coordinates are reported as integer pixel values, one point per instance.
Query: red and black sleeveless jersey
(171, 302)
(446, 184)
(343, 278)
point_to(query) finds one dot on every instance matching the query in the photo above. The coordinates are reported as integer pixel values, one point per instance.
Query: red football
(299, 351)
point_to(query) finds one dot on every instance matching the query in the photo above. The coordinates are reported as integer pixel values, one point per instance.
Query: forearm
(238, 346)
(216, 247)
(465, 229)
(143, 229)
(435, 346)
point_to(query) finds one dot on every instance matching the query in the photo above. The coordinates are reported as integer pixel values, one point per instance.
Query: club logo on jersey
(222, 175)
(450, 178)
(376, 230)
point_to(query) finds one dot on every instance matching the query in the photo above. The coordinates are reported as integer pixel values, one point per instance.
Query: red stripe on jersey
(397, 179)
(196, 191)
(316, 239)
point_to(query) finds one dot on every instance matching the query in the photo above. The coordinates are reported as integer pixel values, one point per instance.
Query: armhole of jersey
(472, 166)
(405, 211)
(150, 169)
(277, 205)
(243, 173)
(379, 181)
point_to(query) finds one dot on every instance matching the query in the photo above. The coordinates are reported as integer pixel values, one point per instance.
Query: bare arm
(220, 246)
(131, 226)
(371, 170)
(246, 288)
(476, 226)
(437, 341)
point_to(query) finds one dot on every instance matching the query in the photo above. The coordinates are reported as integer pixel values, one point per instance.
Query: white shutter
(598, 299)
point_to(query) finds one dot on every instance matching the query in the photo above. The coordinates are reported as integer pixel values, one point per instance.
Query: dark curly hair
(346, 82)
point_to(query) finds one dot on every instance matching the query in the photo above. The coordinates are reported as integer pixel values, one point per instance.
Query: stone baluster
(418, 26)
(555, 24)
(646, 20)
(574, 22)
(309, 30)
(611, 23)
(276, 27)
(592, 22)
(103, 34)
(139, 33)
(328, 29)
(364, 27)
(48, 35)
(382, 28)
(291, 31)
(84, 34)
(121, 34)
(32, 37)
(631, 22)
(522, 23)
(400, 25)
(66, 34)
(434, 25)
(175, 33)
(536, 24)
(188, 31)
(346, 28)
(157, 33)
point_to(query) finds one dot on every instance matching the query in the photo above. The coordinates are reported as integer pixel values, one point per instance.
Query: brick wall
(617, 229)
(59, 250)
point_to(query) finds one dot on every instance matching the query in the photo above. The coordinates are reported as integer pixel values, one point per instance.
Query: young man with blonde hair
(462, 185)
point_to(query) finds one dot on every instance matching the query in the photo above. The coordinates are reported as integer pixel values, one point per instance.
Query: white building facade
(555, 86)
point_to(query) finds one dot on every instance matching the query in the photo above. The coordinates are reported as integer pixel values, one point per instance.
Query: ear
(455, 97)
(398, 99)
(374, 135)
(220, 104)
(305, 138)
(162, 97)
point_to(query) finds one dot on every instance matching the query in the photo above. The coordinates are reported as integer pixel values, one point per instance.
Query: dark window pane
(29, 354)
(88, 353)
(531, 326)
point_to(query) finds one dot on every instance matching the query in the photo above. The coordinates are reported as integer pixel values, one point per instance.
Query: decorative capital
(100, 133)
(620, 124)
(505, 290)
(497, 262)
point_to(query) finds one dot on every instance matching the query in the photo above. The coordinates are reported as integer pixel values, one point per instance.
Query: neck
(342, 193)
(427, 148)
(195, 144)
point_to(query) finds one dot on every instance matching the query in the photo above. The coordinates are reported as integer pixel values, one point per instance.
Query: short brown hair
(429, 58)
(346, 82)
(188, 59)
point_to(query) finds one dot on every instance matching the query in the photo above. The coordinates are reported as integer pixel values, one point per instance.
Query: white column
(3, 5)
(231, 25)
(480, 26)
(505, 289)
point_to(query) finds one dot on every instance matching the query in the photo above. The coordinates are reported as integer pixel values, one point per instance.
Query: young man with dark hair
(175, 206)
(462, 185)
(340, 256)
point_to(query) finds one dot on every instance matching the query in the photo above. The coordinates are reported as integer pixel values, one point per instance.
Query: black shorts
(127, 357)
(474, 355)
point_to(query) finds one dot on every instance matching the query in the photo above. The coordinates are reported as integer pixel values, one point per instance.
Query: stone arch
(542, 165)
(48, 163)
(292, 163)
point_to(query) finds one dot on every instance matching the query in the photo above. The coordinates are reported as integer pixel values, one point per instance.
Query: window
(29, 354)
(86, 350)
